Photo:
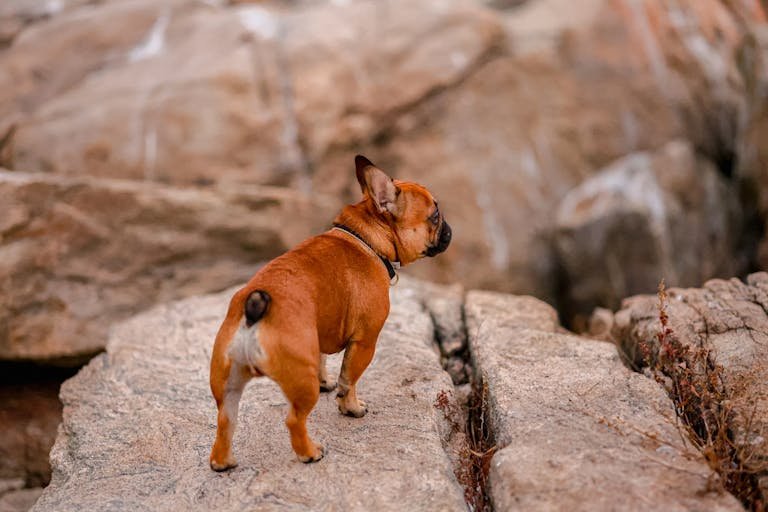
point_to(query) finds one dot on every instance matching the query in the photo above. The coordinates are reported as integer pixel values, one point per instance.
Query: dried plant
(475, 454)
(695, 382)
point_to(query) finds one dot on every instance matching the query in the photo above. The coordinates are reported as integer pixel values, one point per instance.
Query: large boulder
(139, 421)
(493, 106)
(665, 214)
(77, 254)
(726, 324)
(574, 428)
(504, 146)
(246, 93)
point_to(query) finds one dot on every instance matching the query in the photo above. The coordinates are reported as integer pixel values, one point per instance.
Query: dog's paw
(223, 466)
(355, 411)
(319, 454)
(328, 384)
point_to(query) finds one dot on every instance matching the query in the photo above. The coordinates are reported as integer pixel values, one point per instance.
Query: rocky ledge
(139, 422)
(574, 428)
(717, 341)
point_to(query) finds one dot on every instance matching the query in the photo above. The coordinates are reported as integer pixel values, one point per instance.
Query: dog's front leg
(357, 357)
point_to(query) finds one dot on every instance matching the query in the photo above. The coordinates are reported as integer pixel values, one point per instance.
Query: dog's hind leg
(302, 402)
(227, 389)
(327, 383)
(234, 361)
(301, 390)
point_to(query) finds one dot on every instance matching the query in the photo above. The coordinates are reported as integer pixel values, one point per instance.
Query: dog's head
(409, 209)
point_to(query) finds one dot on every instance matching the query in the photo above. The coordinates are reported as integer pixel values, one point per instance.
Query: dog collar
(390, 265)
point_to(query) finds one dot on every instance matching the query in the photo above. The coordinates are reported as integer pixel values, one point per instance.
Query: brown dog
(330, 293)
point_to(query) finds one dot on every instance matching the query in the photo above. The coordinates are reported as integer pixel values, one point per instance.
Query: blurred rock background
(160, 149)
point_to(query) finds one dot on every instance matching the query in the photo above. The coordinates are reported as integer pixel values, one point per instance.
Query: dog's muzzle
(442, 241)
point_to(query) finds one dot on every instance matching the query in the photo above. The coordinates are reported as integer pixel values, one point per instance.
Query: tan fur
(328, 294)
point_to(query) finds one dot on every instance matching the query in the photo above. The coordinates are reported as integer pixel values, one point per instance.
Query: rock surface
(575, 429)
(257, 95)
(646, 216)
(502, 148)
(730, 320)
(492, 104)
(78, 254)
(139, 421)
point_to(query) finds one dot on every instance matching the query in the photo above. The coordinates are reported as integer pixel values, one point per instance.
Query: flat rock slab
(139, 421)
(576, 429)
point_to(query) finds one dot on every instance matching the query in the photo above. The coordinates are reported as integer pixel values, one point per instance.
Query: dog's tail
(256, 306)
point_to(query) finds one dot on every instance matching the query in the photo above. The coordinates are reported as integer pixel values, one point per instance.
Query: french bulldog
(328, 294)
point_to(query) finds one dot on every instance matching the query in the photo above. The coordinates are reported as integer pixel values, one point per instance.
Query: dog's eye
(435, 217)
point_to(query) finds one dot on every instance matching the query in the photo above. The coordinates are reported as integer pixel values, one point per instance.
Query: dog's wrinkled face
(410, 210)
(421, 227)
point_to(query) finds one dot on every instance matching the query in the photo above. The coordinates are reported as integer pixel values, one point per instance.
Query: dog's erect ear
(378, 185)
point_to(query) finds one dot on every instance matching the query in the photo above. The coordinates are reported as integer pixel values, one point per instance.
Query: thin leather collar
(390, 266)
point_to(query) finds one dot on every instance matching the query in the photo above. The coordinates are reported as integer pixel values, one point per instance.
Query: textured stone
(575, 429)
(78, 254)
(139, 421)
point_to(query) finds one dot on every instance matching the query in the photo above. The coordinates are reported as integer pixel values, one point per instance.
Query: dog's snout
(445, 236)
(442, 241)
